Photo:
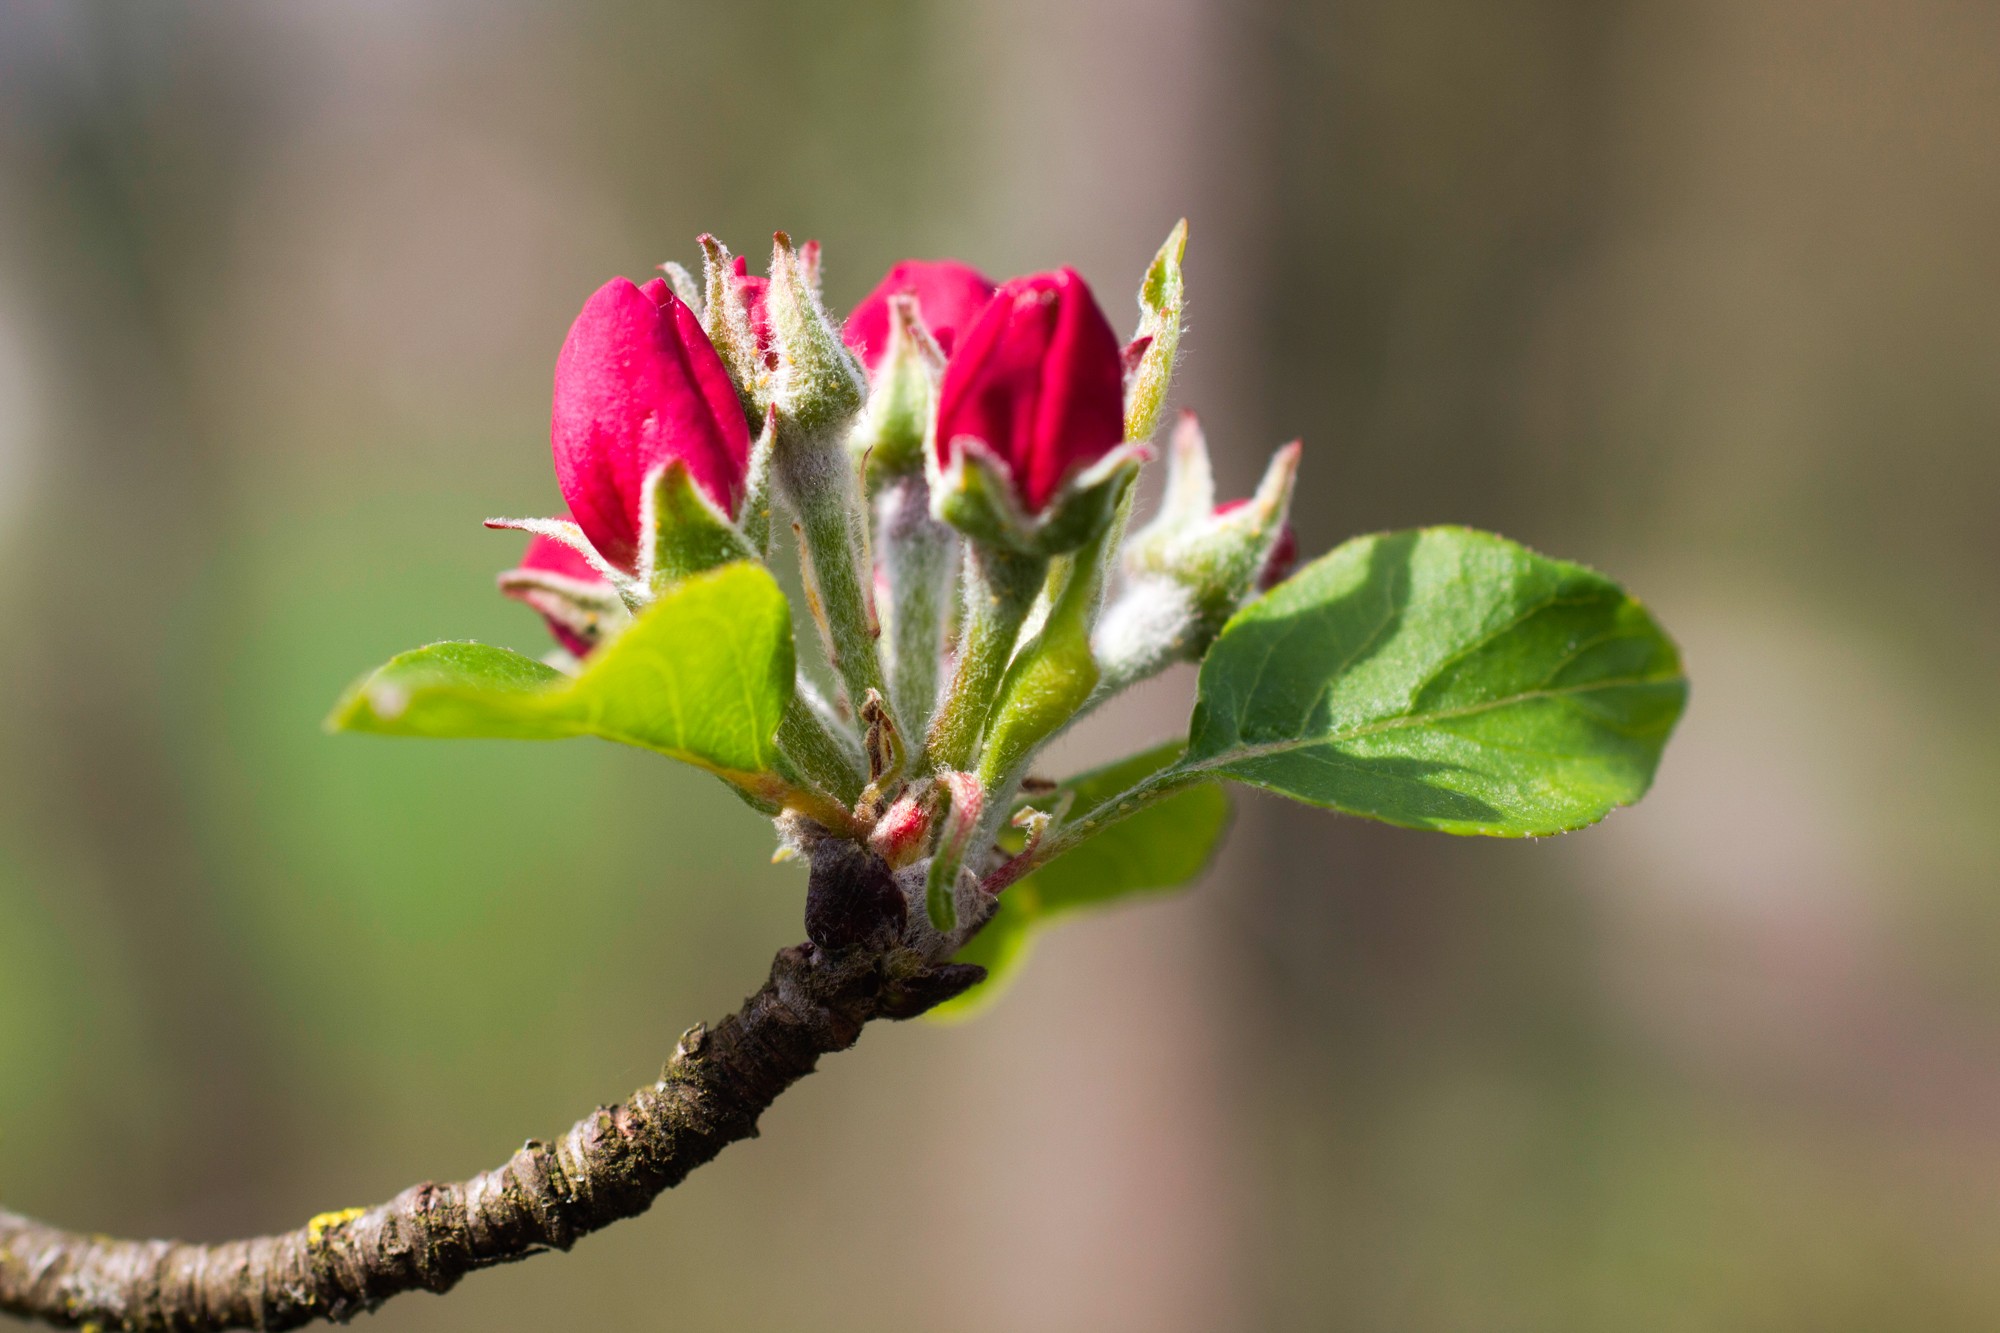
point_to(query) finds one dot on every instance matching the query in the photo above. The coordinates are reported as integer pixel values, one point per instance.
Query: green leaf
(1162, 297)
(1442, 679)
(704, 675)
(1161, 847)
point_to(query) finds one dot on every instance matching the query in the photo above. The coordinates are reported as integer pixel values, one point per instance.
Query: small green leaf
(1442, 679)
(1162, 846)
(1162, 297)
(704, 675)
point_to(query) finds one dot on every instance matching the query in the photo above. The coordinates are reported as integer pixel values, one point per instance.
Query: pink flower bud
(1039, 379)
(949, 295)
(1284, 552)
(555, 561)
(638, 385)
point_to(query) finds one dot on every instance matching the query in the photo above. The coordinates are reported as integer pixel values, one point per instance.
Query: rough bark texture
(612, 1164)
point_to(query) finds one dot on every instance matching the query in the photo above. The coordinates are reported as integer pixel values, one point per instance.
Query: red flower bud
(949, 295)
(1039, 378)
(638, 385)
(548, 557)
(1284, 552)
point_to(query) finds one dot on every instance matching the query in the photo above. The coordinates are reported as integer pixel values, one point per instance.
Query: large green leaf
(704, 675)
(1161, 847)
(1442, 679)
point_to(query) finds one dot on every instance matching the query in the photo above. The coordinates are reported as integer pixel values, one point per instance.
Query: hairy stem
(1000, 588)
(915, 552)
(610, 1165)
(817, 479)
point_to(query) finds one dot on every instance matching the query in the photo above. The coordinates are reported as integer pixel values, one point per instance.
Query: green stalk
(819, 484)
(1049, 680)
(1000, 587)
(915, 552)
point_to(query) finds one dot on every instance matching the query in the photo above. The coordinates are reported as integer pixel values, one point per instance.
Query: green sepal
(690, 535)
(685, 287)
(725, 318)
(1162, 298)
(1161, 847)
(1219, 556)
(976, 495)
(704, 674)
(592, 611)
(1442, 679)
(888, 437)
(819, 386)
(632, 591)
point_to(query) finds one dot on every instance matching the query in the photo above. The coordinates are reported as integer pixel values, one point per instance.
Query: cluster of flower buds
(957, 459)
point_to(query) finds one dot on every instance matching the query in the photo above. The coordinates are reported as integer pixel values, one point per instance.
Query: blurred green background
(1705, 294)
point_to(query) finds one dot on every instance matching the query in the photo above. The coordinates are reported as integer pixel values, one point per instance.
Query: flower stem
(915, 553)
(1000, 587)
(819, 483)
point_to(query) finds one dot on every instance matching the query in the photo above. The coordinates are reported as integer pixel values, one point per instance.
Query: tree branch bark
(612, 1164)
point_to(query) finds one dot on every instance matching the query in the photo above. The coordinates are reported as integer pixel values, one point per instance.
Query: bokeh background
(1704, 293)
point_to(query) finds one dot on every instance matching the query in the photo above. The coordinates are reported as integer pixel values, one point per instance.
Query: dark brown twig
(612, 1164)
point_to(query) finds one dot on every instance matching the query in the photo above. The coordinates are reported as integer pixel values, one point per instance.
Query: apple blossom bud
(817, 386)
(1284, 556)
(949, 296)
(889, 436)
(638, 385)
(1196, 563)
(1038, 381)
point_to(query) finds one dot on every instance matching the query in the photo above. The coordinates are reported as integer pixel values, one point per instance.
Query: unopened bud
(902, 834)
(1197, 563)
(1037, 380)
(727, 318)
(818, 386)
(890, 432)
(1027, 448)
(638, 385)
(1284, 556)
(947, 295)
